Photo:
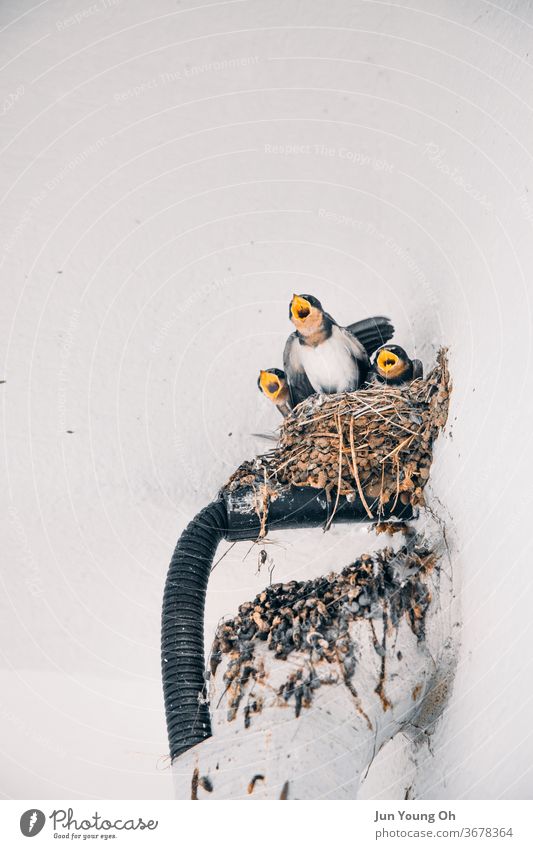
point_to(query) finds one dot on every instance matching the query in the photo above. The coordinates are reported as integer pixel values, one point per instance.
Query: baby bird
(393, 366)
(321, 356)
(273, 383)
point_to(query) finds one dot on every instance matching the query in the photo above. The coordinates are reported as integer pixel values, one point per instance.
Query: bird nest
(375, 444)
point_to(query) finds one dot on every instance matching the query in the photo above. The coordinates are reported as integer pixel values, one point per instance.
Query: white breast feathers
(330, 366)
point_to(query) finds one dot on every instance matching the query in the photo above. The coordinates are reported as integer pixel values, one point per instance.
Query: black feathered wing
(299, 386)
(418, 369)
(372, 332)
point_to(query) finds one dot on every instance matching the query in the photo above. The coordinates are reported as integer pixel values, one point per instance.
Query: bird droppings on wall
(253, 782)
(202, 781)
(194, 784)
(308, 623)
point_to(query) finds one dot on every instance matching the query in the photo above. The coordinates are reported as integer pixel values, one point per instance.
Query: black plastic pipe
(300, 507)
(182, 632)
(233, 516)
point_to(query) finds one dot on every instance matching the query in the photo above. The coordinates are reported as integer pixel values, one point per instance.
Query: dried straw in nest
(375, 443)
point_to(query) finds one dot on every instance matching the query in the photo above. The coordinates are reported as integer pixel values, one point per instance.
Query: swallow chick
(393, 366)
(321, 356)
(273, 383)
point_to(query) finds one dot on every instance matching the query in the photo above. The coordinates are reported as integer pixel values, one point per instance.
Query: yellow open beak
(387, 361)
(300, 308)
(270, 384)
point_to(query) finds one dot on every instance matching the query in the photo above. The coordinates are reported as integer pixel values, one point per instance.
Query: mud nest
(313, 618)
(376, 443)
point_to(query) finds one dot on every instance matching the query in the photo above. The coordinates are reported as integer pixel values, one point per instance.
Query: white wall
(152, 234)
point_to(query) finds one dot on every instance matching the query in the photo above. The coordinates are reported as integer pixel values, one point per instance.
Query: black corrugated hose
(233, 516)
(182, 632)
